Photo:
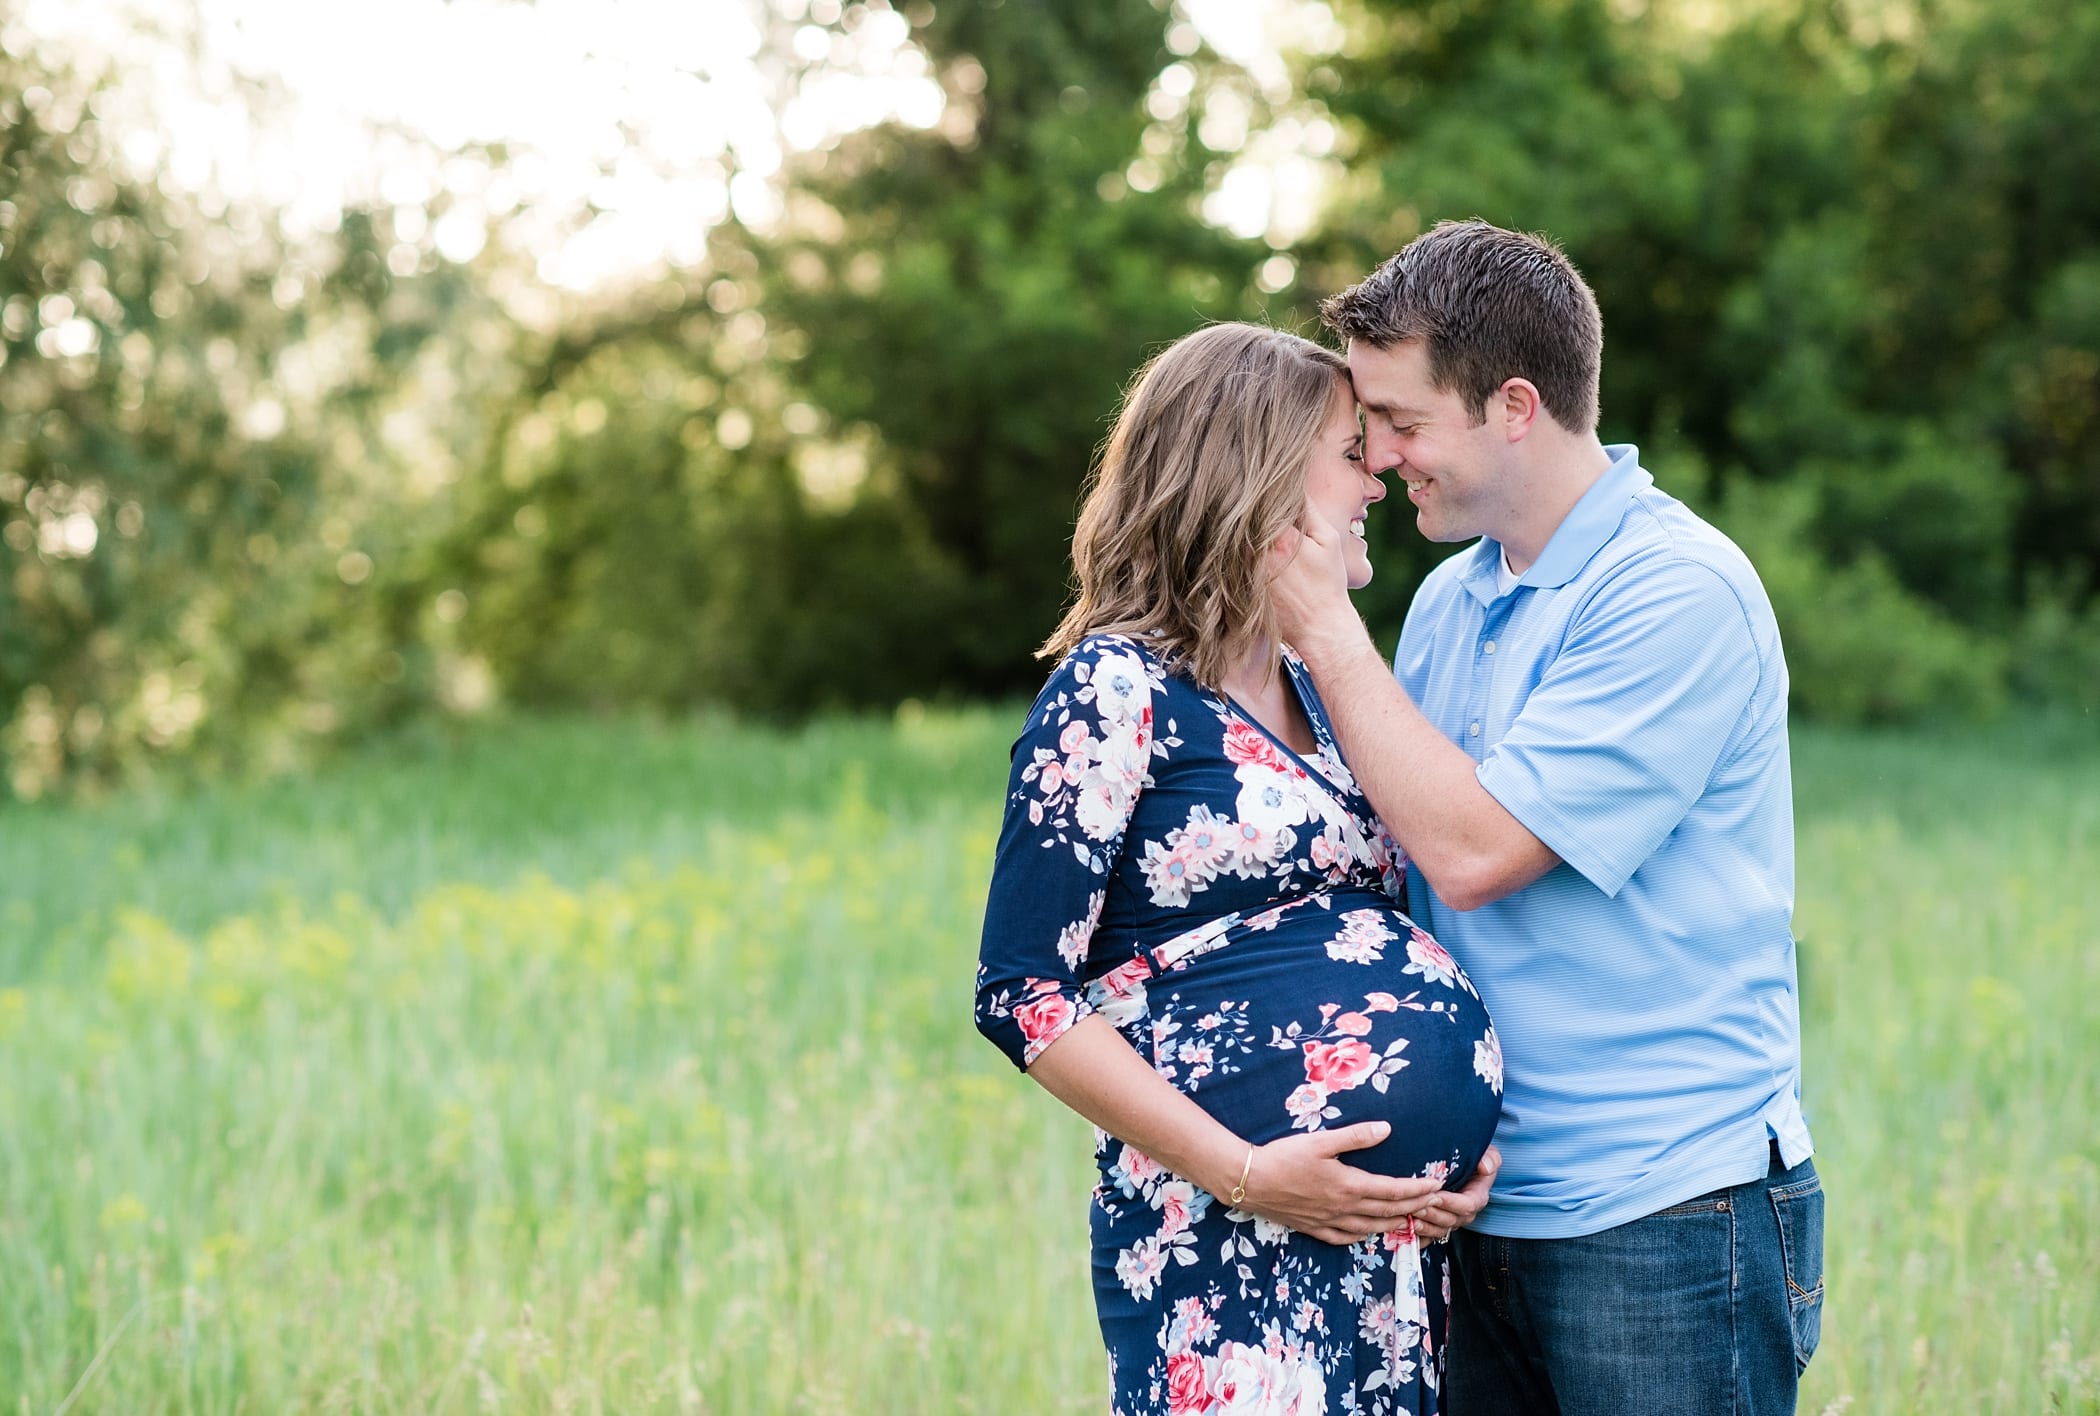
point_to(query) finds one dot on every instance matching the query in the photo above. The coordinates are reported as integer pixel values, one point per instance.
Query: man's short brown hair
(1490, 305)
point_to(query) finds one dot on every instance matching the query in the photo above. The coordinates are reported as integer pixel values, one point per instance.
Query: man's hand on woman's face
(1309, 581)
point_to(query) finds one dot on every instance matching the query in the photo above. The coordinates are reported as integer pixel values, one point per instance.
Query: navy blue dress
(1230, 907)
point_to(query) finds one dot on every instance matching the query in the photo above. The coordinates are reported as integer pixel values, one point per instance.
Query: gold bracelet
(1239, 1191)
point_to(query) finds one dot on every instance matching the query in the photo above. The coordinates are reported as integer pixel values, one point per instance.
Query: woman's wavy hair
(1204, 470)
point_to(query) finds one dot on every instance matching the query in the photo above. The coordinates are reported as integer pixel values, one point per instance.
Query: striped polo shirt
(1626, 701)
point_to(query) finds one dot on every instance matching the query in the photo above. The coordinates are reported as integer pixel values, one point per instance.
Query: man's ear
(1518, 405)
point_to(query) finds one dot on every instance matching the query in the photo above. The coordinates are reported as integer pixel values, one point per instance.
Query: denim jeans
(1708, 1308)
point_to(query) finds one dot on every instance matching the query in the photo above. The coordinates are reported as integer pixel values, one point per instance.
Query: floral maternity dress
(1229, 906)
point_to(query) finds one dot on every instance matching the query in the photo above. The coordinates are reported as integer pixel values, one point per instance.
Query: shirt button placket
(1483, 667)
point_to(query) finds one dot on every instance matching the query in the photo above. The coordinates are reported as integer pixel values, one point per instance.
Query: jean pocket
(1799, 1207)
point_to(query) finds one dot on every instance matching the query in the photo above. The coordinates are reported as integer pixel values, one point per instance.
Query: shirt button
(1474, 730)
(1488, 648)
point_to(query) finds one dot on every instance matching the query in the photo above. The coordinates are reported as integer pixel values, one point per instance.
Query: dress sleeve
(1078, 766)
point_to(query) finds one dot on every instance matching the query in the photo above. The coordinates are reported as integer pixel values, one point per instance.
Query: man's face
(1451, 468)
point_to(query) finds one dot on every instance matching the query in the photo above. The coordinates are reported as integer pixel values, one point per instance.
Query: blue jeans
(1708, 1308)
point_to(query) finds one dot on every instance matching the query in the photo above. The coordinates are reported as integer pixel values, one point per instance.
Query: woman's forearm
(1299, 1181)
(1093, 1070)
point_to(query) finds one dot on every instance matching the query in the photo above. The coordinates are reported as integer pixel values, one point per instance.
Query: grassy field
(624, 1068)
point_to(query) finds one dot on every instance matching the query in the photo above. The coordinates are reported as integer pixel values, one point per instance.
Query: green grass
(614, 1067)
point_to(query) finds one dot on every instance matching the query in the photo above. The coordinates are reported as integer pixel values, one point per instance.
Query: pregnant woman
(1192, 938)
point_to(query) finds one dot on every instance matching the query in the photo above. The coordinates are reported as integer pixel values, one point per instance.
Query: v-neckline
(1290, 673)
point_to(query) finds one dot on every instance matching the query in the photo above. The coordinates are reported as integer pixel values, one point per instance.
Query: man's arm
(1422, 784)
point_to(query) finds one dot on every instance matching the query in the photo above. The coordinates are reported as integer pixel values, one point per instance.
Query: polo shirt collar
(1580, 535)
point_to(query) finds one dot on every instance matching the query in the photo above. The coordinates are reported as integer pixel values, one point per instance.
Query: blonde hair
(1204, 470)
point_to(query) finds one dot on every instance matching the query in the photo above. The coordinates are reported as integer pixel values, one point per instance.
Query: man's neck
(1563, 471)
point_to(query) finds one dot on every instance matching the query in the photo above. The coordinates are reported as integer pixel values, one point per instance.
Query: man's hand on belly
(1454, 1208)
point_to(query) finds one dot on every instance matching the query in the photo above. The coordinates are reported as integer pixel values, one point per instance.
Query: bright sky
(653, 111)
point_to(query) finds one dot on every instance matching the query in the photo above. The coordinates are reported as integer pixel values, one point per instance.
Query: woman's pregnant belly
(1332, 1017)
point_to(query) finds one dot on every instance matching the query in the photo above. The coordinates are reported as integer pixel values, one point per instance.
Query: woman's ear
(1284, 549)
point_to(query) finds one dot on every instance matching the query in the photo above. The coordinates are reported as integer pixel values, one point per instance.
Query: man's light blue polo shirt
(1626, 701)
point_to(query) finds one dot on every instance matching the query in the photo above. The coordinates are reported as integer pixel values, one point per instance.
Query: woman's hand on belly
(1297, 1181)
(1301, 1181)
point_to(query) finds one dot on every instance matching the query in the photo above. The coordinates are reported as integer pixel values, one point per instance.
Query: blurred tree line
(260, 493)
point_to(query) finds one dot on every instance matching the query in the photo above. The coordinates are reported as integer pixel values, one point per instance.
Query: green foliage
(840, 463)
(1859, 647)
(2055, 655)
(1848, 249)
(977, 296)
(258, 495)
(194, 548)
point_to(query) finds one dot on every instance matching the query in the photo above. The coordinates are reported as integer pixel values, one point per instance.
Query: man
(1595, 798)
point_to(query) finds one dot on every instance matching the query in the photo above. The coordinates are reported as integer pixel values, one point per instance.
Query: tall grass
(607, 1067)
(1949, 918)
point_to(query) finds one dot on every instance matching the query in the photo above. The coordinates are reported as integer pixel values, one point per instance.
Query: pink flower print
(1246, 744)
(1363, 938)
(1381, 1003)
(1255, 849)
(1252, 1381)
(1172, 874)
(1379, 1321)
(1354, 1024)
(1141, 1169)
(1073, 740)
(1045, 1017)
(1176, 1200)
(1324, 850)
(1198, 1326)
(1206, 837)
(1305, 1106)
(1188, 1387)
(1119, 994)
(1198, 1058)
(1340, 1065)
(1124, 979)
(1138, 1267)
(1430, 959)
(1052, 779)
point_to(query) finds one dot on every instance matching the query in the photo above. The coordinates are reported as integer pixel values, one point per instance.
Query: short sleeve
(1082, 758)
(1625, 728)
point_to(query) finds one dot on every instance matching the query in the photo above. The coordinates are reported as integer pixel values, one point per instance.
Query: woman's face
(1339, 487)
